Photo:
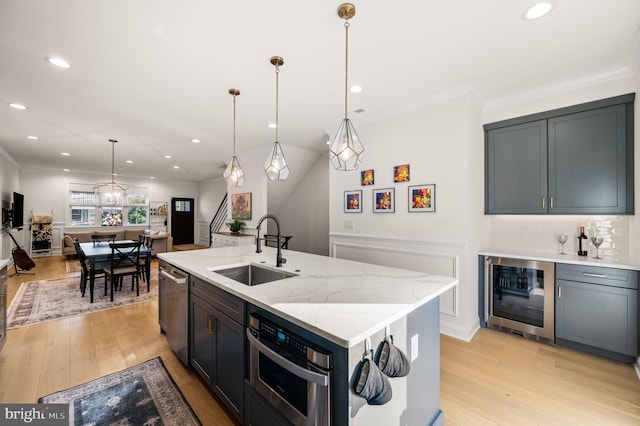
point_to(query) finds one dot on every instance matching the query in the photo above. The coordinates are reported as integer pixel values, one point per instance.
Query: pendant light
(111, 194)
(276, 165)
(346, 152)
(233, 175)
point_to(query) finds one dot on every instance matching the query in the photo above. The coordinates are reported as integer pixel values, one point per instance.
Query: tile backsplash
(540, 233)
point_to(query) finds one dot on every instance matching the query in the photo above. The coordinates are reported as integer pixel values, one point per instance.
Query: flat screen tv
(17, 215)
(111, 219)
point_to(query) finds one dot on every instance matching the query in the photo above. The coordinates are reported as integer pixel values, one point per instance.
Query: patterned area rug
(141, 395)
(48, 300)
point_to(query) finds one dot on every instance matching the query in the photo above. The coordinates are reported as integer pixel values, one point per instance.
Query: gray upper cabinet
(575, 160)
(517, 169)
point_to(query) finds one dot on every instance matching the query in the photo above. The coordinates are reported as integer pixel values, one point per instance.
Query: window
(83, 208)
(137, 215)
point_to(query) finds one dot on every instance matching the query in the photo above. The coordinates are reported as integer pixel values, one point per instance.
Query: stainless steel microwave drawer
(613, 277)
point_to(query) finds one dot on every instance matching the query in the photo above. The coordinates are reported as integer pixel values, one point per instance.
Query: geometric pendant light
(233, 175)
(111, 194)
(276, 165)
(346, 151)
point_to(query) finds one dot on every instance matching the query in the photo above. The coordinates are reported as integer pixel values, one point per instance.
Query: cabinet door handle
(211, 324)
(559, 291)
(551, 202)
(589, 274)
(542, 198)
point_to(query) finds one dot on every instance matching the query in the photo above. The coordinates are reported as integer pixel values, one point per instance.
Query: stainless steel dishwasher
(174, 308)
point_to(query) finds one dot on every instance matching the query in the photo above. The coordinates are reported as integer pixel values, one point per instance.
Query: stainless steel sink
(253, 274)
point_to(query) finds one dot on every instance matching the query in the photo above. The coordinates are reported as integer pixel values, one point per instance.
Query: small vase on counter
(581, 237)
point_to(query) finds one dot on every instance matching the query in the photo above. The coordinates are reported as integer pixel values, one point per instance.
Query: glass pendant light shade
(233, 175)
(346, 152)
(276, 165)
(111, 194)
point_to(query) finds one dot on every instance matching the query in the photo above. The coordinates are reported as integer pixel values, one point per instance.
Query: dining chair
(125, 258)
(146, 242)
(85, 267)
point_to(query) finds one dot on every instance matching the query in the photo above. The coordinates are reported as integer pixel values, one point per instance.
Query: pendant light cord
(234, 125)
(277, 72)
(346, 66)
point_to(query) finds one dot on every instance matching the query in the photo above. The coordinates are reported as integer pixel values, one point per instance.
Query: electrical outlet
(348, 224)
(414, 347)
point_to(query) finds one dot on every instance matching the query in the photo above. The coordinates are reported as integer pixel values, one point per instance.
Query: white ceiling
(154, 74)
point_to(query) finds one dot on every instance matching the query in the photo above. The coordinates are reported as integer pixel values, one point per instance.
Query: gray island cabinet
(574, 160)
(337, 305)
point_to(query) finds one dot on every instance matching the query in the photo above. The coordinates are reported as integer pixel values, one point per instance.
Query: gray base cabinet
(217, 343)
(597, 310)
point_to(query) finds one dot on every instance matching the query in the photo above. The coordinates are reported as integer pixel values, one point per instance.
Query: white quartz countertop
(4, 262)
(606, 261)
(341, 300)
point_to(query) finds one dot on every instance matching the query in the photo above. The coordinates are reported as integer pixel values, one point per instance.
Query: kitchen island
(342, 305)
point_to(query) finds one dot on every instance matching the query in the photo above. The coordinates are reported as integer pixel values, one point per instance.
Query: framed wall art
(384, 200)
(241, 206)
(422, 198)
(353, 201)
(401, 173)
(366, 177)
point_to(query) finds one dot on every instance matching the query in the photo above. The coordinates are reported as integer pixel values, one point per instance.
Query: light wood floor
(497, 378)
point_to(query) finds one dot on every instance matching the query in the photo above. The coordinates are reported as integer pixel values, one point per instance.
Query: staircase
(219, 219)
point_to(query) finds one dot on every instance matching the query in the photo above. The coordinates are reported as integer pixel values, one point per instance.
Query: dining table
(98, 252)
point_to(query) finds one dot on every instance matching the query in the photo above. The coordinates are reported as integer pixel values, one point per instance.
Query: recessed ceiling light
(58, 62)
(538, 10)
(129, 161)
(17, 106)
(167, 156)
(66, 170)
(356, 88)
(66, 154)
(33, 138)
(176, 167)
(152, 177)
(195, 140)
(272, 125)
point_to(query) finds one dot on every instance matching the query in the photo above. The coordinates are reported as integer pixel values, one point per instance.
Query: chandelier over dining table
(111, 194)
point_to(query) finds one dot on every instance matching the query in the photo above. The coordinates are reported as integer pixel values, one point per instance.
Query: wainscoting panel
(423, 259)
(203, 233)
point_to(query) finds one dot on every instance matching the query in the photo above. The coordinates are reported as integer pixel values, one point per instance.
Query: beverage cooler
(519, 297)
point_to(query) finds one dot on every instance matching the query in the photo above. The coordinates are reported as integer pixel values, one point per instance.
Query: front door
(182, 220)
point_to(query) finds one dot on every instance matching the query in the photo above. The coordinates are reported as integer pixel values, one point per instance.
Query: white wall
(305, 214)
(538, 233)
(211, 192)
(443, 143)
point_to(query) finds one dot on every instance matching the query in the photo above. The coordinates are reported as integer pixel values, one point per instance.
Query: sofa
(162, 241)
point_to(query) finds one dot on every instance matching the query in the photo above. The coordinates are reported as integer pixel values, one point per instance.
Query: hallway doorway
(182, 220)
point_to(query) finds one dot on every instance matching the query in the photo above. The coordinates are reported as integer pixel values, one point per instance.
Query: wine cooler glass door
(520, 297)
